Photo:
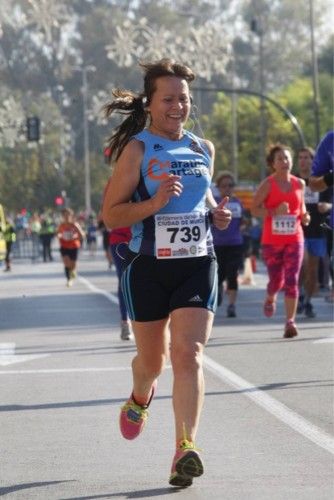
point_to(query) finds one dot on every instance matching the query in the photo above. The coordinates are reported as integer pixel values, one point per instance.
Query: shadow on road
(24, 486)
(117, 401)
(154, 492)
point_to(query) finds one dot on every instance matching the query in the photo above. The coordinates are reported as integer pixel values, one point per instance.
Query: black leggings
(8, 251)
(229, 260)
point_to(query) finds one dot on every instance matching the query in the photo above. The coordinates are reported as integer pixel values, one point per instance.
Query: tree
(44, 40)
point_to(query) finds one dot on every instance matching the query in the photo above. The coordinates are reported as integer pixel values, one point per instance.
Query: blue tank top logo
(159, 170)
(155, 169)
(192, 167)
(196, 147)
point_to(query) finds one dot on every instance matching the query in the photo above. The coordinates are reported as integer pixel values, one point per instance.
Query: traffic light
(33, 124)
(59, 201)
(107, 155)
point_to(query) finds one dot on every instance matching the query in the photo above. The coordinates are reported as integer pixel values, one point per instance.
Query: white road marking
(110, 296)
(279, 410)
(7, 348)
(8, 356)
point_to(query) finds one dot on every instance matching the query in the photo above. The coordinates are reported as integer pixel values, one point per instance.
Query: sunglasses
(229, 185)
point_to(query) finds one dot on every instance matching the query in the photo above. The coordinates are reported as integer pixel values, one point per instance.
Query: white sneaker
(126, 332)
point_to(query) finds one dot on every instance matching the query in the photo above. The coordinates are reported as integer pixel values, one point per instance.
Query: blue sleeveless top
(189, 158)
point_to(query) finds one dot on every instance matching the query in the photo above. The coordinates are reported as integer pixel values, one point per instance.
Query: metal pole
(86, 143)
(262, 107)
(234, 126)
(315, 78)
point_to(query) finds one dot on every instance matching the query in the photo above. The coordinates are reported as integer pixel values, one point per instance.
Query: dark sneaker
(231, 311)
(187, 464)
(309, 313)
(301, 305)
(290, 330)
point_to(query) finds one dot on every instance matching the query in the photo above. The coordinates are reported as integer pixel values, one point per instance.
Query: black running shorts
(72, 253)
(154, 287)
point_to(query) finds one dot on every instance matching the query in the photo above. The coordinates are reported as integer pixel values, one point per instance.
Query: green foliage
(218, 128)
(35, 62)
(298, 98)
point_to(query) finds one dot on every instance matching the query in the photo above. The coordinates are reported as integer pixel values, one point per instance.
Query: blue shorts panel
(154, 287)
(316, 246)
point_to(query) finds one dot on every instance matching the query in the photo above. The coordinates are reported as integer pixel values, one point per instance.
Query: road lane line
(277, 409)
(8, 356)
(110, 296)
(7, 348)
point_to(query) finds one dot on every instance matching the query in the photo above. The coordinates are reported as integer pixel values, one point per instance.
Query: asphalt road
(266, 430)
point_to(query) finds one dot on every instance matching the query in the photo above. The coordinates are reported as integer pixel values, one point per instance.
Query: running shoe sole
(187, 467)
(190, 465)
(180, 481)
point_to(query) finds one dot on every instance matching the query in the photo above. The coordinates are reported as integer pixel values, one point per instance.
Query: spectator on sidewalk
(35, 230)
(10, 237)
(46, 235)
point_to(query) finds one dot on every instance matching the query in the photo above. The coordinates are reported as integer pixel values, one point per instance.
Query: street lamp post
(84, 70)
(315, 77)
(234, 125)
(257, 29)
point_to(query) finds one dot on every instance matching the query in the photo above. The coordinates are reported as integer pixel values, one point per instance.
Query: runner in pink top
(280, 201)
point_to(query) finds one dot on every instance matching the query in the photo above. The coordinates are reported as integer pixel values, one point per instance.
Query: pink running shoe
(187, 464)
(290, 330)
(133, 416)
(269, 308)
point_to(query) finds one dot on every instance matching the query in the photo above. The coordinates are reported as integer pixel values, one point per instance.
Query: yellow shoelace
(185, 443)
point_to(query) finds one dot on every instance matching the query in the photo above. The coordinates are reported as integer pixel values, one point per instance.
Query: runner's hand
(222, 216)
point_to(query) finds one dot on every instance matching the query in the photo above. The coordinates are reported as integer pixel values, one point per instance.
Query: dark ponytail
(126, 103)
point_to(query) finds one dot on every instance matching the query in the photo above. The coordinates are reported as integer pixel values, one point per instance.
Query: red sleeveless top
(283, 229)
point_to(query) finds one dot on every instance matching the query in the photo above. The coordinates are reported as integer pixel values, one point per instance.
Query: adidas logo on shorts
(196, 298)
